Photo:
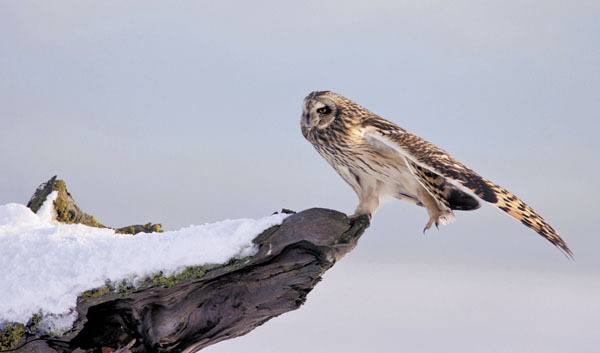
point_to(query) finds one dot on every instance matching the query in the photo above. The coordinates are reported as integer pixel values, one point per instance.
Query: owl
(380, 159)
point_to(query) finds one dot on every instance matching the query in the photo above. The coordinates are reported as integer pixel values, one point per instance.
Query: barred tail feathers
(519, 210)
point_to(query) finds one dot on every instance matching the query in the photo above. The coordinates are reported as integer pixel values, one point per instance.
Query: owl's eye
(324, 110)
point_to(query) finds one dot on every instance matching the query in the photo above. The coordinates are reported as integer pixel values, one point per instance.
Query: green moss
(11, 335)
(190, 273)
(97, 292)
(124, 288)
(140, 228)
(159, 279)
(121, 288)
(32, 324)
(67, 211)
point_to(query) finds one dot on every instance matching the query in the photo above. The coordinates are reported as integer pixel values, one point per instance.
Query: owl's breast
(360, 163)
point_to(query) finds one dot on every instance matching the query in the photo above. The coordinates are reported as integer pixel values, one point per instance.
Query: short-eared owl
(378, 158)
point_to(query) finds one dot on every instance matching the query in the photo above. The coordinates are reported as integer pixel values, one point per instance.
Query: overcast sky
(188, 112)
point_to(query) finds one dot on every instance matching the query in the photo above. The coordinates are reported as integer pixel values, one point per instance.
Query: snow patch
(45, 265)
(46, 213)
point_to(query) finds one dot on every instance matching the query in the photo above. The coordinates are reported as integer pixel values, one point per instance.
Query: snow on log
(79, 286)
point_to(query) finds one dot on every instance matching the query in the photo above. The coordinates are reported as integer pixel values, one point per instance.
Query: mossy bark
(67, 210)
(11, 335)
(202, 305)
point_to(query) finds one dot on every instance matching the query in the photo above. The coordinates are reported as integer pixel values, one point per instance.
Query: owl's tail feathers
(519, 210)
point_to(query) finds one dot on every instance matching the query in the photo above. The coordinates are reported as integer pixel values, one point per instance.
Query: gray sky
(188, 112)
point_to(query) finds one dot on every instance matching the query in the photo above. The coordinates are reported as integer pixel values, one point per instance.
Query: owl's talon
(429, 224)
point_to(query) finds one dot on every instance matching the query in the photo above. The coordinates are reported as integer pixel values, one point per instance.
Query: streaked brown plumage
(378, 158)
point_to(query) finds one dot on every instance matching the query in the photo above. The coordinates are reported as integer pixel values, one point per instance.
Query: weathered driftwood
(203, 305)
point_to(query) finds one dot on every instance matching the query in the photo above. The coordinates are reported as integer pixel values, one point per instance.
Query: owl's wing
(445, 193)
(425, 155)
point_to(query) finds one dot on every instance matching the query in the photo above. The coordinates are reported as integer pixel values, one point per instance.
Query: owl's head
(320, 109)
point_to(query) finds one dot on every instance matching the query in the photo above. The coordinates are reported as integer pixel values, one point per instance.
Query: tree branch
(202, 305)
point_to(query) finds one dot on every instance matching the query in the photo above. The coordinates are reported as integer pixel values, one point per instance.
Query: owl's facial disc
(318, 113)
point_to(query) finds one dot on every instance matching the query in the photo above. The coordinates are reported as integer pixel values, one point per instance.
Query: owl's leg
(437, 214)
(368, 201)
(366, 206)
